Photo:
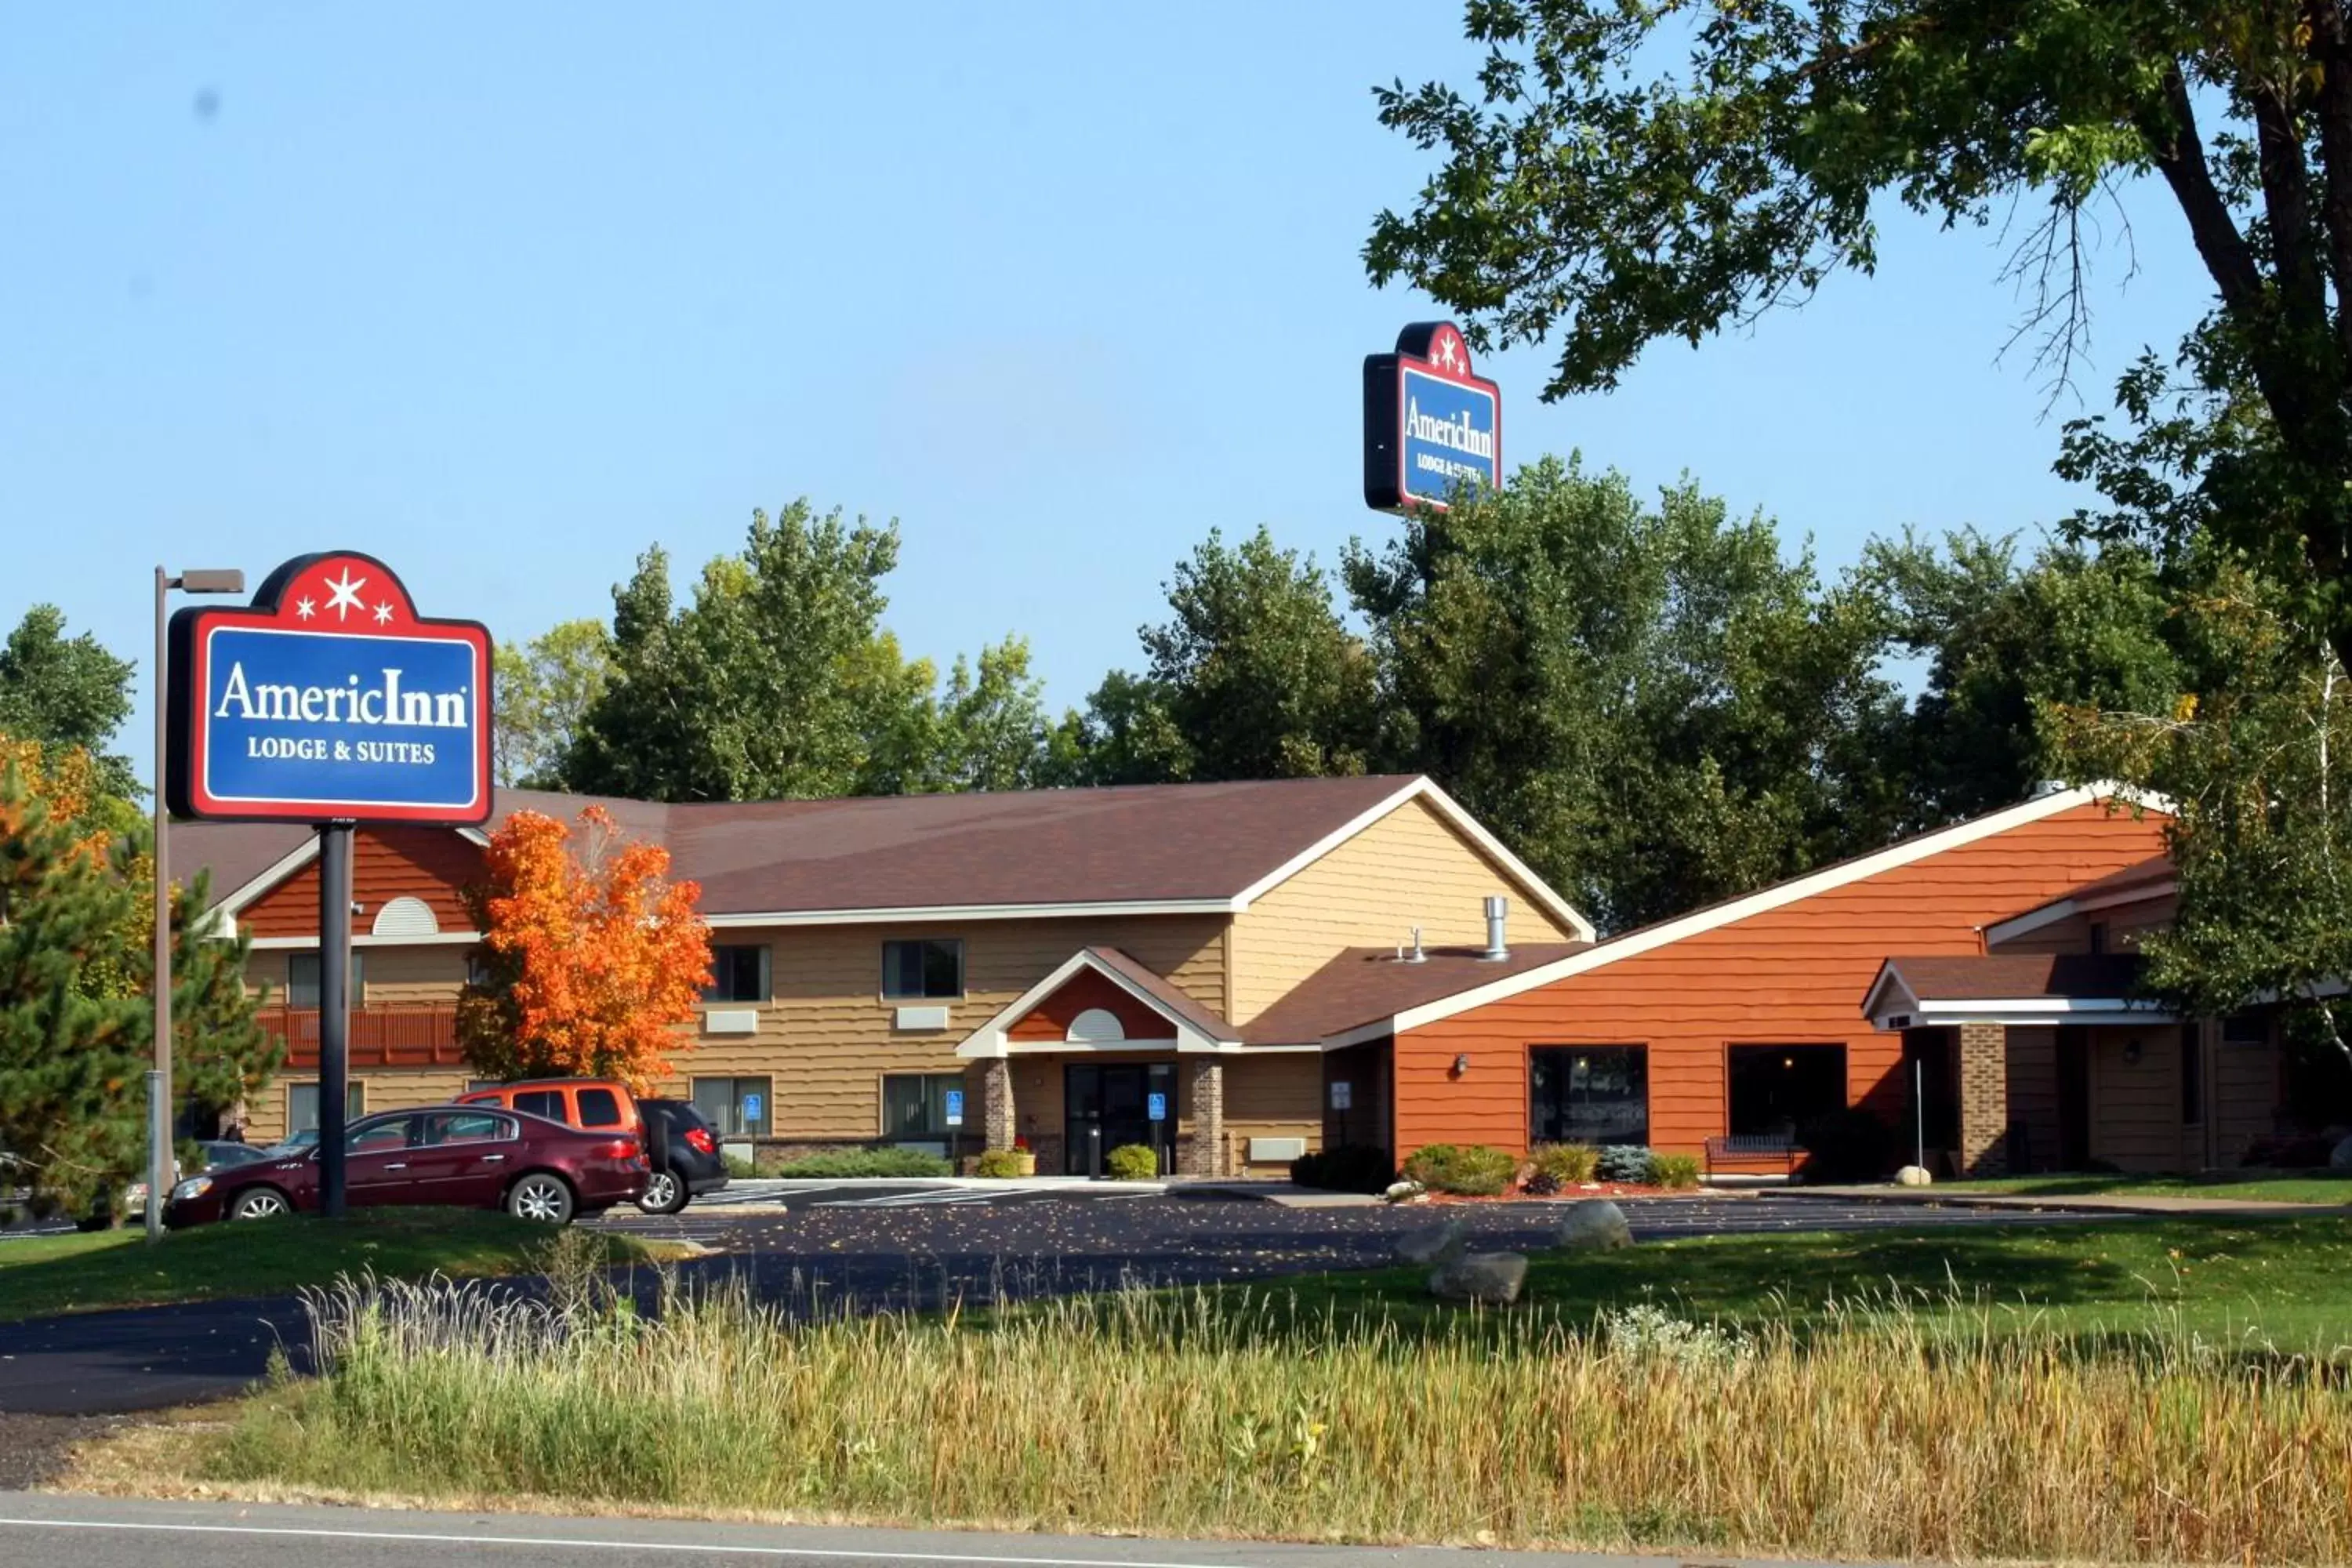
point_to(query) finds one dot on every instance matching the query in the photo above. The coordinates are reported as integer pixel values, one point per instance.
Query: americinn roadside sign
(330, 698)
(1428, 423)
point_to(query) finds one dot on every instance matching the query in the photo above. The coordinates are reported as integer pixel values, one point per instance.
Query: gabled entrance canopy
(2022, 988)
(1099, 999)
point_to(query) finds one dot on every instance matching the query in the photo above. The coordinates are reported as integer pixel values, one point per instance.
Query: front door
(2074, 1098)
(1109, 1106)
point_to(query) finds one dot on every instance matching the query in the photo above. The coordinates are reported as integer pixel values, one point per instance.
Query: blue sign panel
(330, 698)
(954, 1097)
(752, 1105)
(1155, 1107)
(1430, 426)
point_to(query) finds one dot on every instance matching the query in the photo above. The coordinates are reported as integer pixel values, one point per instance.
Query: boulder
(1439, 1244)
(2340, 1157)
(1492, 1279)
(1595, 1223)
(1913, 1177)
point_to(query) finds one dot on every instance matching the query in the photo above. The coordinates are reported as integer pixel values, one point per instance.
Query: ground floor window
(736, 1106)
(302, 1105)
(1775, 1090)
(923, 1105)
(1589, 1094)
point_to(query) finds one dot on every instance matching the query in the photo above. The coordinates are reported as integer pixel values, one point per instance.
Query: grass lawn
(48, 1274)
(2289, 1278)
(2267, 1187)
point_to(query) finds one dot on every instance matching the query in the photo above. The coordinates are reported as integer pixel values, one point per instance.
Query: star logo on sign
(1446, 354)
(306, 608)
(344, 597)
(384, 615)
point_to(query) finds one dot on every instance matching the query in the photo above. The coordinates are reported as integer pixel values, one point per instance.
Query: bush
(838, 1163)
(1627, 1163)
(998, 1163)
(1565, 1163)
(1848, 1145)
(1540, 1184)
(1467, 1170)
(1676, 1172)
(1132, 1162)
(738, 1166)
(1349, 1168)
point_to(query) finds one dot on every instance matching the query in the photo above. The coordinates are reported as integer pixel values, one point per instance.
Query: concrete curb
(2070, 1203)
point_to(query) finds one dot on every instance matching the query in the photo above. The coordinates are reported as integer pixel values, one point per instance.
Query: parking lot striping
(917, 1200)
(589, 1543)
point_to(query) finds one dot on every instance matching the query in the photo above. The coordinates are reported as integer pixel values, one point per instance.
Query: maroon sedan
(458, 1155)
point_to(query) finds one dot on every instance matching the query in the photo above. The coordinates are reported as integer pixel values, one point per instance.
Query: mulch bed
(1585, 1190)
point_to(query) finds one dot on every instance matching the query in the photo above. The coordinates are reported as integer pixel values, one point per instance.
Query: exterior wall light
(2131, 1053)
(1461, 1063)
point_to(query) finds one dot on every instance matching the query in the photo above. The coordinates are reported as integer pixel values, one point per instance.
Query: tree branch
(2332, 47)
(2179, 157)
(2286, 200)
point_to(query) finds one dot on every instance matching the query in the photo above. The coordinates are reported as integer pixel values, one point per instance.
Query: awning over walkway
(2010, 988)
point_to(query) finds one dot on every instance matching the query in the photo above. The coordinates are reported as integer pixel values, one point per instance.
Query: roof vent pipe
(1417, 956)
(1498, 915)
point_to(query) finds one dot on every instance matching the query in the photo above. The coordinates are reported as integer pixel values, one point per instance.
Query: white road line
(583, 1543)
(908, 1200)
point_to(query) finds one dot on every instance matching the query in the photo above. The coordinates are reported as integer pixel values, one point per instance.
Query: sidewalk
(2080, 1203)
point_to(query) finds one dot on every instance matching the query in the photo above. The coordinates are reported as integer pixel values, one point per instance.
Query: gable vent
(1095, 1026)
(405, 916)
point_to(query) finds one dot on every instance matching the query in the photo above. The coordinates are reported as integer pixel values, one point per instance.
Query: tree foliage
(545, 686)
(1593, 190)
(589, 954)
(66, 693)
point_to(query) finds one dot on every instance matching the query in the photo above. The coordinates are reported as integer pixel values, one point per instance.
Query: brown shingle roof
(1170, 997)
(2001, 976)
(1364, 984)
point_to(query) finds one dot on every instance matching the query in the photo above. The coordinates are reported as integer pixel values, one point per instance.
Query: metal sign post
(334, 1008)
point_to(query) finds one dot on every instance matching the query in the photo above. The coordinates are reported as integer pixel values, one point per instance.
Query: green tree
(66, 691)
(993, 715)
(1126, 736)
(1649, 704)
(544, 687)
(1593, 190)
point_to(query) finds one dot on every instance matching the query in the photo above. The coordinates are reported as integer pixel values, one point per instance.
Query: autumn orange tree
(589, 954)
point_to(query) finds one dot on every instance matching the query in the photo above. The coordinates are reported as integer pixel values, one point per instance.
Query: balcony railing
(380, 1037)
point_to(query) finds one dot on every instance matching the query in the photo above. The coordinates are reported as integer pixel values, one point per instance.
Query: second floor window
(922, 969)
(302, 979)
(738, 973)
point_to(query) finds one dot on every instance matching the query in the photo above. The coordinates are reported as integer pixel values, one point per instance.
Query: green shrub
(1132, 1162)
(1566, 1164)
(1466, 1170)
(1676, 1173)
(998, 1163)
(840, 1162)
(1848, 1145)
(740, 1167)
(1349, 1168)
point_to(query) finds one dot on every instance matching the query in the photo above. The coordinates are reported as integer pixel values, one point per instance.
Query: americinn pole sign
(1428, 425)
(328, 699)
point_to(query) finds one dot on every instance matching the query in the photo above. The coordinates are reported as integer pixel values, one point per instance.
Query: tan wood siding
(827, 1037)
(1272, 1097)
(386, 1090)
(2033, 1055)
(1410, 869)
(2135, 1105)
(2245, 1096)
(412, 976)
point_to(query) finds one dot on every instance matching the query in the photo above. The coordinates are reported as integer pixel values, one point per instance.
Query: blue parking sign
(752, 1105)
(955, 1107)
(1155, 1106)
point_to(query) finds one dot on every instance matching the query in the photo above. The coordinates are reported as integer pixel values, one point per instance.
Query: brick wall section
(1206, 1154)
(996, 1103)
(1984, 1099)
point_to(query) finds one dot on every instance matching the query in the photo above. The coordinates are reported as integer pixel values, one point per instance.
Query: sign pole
(334, 1007)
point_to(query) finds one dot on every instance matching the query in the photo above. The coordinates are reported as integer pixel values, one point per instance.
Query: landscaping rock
(1492, 1279)
(2340, 1157)
(1913, 1177)
(1405, 1193)
(1440, 1244)
(1595, 1224)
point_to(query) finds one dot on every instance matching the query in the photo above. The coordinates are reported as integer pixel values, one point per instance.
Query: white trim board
(937, 914)
(2058, 909)
(368, 939)
(2023, 1010)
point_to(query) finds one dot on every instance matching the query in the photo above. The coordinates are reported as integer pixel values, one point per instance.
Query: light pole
(158, 1077)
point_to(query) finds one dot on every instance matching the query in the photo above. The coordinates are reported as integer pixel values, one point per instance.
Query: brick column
(1984, 1099)
(996, 1103)
(1206, 1155)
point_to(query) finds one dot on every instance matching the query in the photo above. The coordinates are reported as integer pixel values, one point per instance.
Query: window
(302, 979)
(738, 974)
(547, 1102)
(1589, 1094)
(379, 1137)
(2098, 936)
(736, 1106)
(915, 1105)
(465, 1127)
(302, 1105)
(2246, 1029)
(1778, 1091)
(2192, 1076)
(599, 1108)
(933, 968)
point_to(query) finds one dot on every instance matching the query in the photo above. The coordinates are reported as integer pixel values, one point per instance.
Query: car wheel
(259, 1203)
(541, 1197)
(663, 1194)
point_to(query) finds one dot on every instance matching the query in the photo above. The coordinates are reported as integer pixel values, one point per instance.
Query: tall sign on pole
(329, 700)
(1430, 426)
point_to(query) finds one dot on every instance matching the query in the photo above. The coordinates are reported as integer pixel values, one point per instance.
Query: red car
(458, 1156)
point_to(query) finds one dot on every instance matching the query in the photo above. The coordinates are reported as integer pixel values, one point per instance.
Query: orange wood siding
(1795, 974)
(427, 863)
(1050, 1019)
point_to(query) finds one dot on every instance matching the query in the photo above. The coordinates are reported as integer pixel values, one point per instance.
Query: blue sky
(504, 294)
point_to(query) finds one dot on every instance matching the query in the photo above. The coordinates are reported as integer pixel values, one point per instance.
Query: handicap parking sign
(751, 1103)
(955, 1107)
(1156, 1107)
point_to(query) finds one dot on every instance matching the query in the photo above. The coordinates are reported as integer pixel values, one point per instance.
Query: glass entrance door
(1106, 1106)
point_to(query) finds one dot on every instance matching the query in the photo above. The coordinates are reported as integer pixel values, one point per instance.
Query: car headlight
(194, 1187)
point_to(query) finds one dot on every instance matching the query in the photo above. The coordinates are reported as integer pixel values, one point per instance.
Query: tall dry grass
(1903, 1434)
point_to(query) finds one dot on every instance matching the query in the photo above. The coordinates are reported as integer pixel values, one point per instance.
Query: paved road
(839, 1248)
(95, 1533)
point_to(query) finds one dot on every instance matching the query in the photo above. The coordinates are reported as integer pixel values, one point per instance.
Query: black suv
(686, 1158)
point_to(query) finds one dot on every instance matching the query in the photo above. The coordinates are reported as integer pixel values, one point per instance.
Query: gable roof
(1732, 911)
(1140, 848)
(2009, 988)
(1195, 1028)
